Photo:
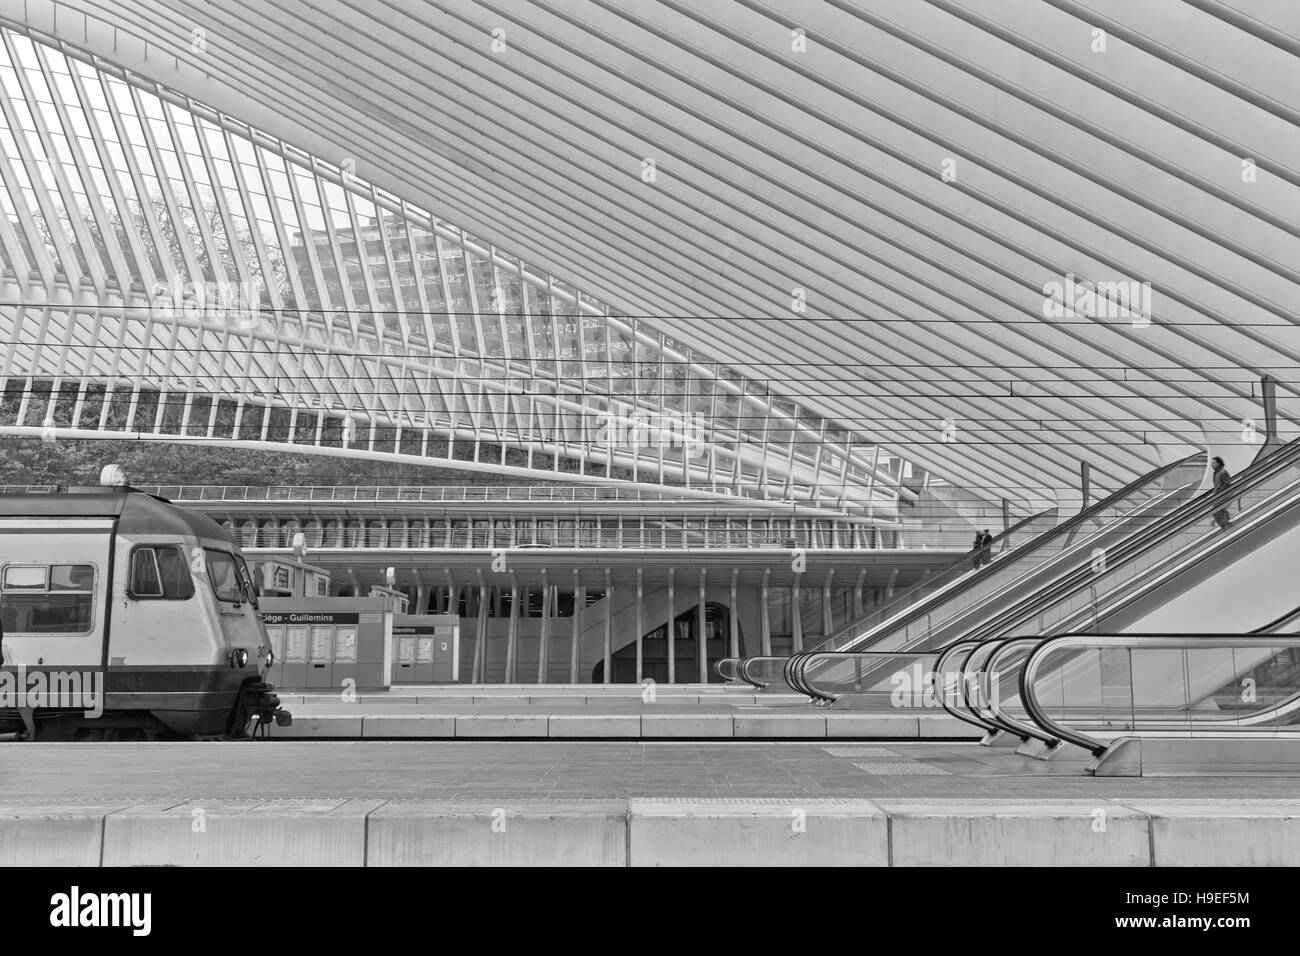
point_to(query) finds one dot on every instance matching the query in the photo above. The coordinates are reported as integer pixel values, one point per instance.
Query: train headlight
(270, 657)
(239, 657)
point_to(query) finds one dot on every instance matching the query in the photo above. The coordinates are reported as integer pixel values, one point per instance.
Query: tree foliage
(30, 461)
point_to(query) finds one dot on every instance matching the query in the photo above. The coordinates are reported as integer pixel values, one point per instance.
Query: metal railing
(873, 677)
(438, 493)
(459, 539)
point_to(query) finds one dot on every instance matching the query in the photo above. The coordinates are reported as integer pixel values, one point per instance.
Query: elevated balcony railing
(434, 493)
(628, 539)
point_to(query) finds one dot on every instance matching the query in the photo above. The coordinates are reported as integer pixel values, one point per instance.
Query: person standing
(987, 547)
(977, 550)
(1222, 480)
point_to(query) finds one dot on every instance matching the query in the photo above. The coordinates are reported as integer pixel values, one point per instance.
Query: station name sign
(309, 617)
(409, 629)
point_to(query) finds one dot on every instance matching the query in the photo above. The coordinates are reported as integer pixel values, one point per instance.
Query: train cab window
(224, 575)
(160, 572)
(47, 599)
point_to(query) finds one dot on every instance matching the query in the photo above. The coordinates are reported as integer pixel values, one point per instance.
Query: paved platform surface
(568, 770)
(285, 803)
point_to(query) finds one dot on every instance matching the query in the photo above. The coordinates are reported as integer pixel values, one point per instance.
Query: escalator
(1183, 579)
(971, 597)
(1167, 568)
(1124, 580)
(1193, 583)
(960, 587)
(1222, 690)
(1187, 610)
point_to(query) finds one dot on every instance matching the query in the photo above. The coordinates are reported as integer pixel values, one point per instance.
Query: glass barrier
(761, 672)
(1089, 688)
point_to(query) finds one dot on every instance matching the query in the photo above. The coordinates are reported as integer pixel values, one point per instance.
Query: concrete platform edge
(651, 832)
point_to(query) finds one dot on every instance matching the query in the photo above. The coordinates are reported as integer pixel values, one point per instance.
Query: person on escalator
(977, 551)
(987, 550)
(1222, 479)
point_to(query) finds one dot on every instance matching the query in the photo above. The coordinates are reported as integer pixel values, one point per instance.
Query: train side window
(47, 599)
(160, 572)
(224, 575)
(21, 578)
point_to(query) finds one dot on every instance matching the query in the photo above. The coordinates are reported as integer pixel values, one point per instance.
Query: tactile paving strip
(861, 752)
(900, 767)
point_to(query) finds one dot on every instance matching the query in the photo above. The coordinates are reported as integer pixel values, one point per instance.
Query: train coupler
(259, 703)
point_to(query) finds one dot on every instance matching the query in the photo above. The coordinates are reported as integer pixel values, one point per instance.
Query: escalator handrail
(797, 668)
(959, 586)
(1067, 527)
(964, 649)
(990, 670)
(742, 668)
(1196, 509)
(1029, 669)
(859, 655)
(978, 657)
(1275, 623)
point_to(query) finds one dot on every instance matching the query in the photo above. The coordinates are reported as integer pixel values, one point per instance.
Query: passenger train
(126, 617)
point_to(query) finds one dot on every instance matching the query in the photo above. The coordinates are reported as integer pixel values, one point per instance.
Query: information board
(295, 642)
(345, 643)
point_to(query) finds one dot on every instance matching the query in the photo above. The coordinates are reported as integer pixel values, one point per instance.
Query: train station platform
(594, 711)
(619, 803)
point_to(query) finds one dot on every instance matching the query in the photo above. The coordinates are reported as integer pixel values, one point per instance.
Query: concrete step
(462, 690)
(405, 700)
(648, 723)
(652, 832)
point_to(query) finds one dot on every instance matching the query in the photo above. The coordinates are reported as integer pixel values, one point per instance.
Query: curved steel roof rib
(923, 173)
